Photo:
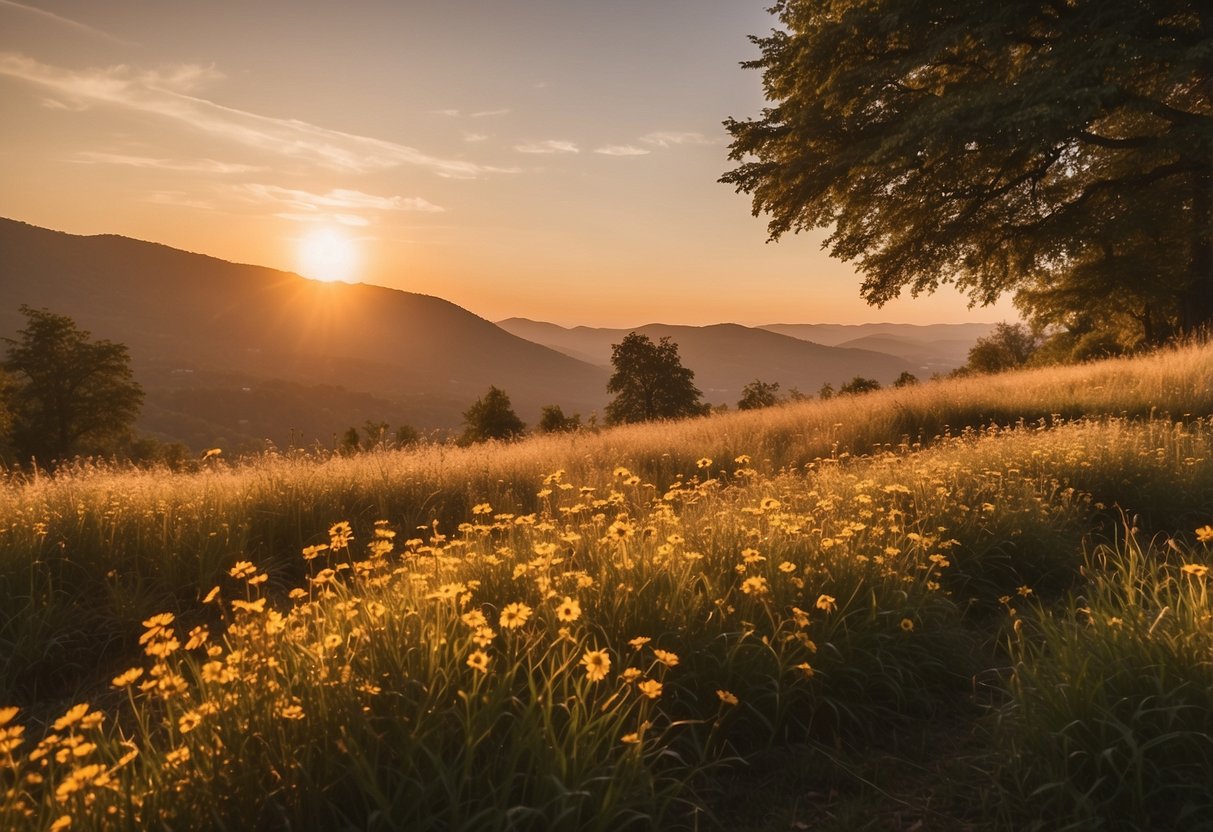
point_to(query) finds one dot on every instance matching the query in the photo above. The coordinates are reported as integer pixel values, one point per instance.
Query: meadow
(971, 604)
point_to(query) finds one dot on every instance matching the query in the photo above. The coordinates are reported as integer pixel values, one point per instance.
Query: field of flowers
(978, 604)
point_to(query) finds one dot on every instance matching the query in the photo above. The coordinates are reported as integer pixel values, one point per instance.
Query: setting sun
(329, 255)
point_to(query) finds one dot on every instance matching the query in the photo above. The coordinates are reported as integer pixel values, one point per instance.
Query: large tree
(69, 394)
(650, 382)
(1034, 145)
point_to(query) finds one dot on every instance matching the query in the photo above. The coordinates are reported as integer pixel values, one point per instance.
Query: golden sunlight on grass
(327, 254)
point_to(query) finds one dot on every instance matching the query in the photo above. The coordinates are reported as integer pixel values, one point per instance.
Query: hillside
(726, 357)
(244, 352)
(931, 348)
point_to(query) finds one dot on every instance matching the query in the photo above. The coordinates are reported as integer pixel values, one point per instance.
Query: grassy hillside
(974, 604)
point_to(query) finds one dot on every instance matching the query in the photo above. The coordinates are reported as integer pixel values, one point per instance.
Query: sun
(329, 255)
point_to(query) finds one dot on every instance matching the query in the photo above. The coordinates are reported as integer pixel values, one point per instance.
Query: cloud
(163, 93)
(452, 113)
(352, 220)
(196, 166)
(64, 21)
(336, 199)
(548, 146)
(180, 199)
(475, 137)
(622, 150)
(668, 138)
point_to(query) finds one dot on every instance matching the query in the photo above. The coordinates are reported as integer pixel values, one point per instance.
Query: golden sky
(551, 159)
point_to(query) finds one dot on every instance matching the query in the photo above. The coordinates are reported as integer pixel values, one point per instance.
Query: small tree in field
(1007, 347)
(906, 379)
(859, 384)
(553, 420)
(69, 394)
(758, 394)
(650, 382)
(491, 417)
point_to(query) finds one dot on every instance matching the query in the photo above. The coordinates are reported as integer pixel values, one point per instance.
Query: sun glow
(329, 255)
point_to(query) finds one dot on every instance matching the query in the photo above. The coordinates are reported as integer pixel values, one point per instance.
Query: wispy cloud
(338, 199)
(164, 94)
(194, 166)
(622, 150)
(475, 137)
(180, 199)
(548, 146)
(63, 21)
(669, 138)
(454, 113)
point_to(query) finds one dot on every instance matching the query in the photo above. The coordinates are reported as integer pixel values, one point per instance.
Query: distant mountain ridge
(203, 330)
(726, 357)
(232, 355)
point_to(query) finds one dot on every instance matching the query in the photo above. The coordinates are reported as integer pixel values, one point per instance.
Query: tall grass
(322, 643)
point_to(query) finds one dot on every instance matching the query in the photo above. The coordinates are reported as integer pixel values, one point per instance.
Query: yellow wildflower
(726, 697)
(514, 615)
(479, 660)
(826, 603)
(650, 688)
(597, 664)
(568, 610)
(667, 658)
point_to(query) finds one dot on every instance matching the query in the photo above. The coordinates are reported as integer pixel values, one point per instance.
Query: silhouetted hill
(274, 347)
(941, 340)
(726, 357)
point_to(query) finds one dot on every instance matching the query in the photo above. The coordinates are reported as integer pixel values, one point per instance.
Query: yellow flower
(61, 822)
(1195, 569)
(484, 636)
(726, 697)
(806, 668)
(514, 615)
(568, 610)
(177, 756)
(198, 637)
(704, 462)
(189, 721)
(826, 603)
(770, 504)
(292, 712)
(333, 641)
(755, 586)
(638, 642)
(667, 658)
(242, 569)
(474, 618)
(74, 714)
(907, 625)
(1205, 534)
(212, 595)
(650, 688)
(127, 678)
(7, 714)
(250, 606)
(597, 664)
(479, 660)
(630, 739)
(630, 675)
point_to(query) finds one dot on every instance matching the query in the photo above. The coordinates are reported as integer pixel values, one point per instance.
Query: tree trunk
(1196, 304)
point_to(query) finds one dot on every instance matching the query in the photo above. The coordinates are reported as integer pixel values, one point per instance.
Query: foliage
(649, 382)
(491, 417)
(859, 384)
(1049, 147)
(906, 379)
(1009, 346)
(553, 420)
(758, 394)
(70, 395)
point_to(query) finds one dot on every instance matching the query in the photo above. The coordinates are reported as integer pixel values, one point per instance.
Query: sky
(550, 159)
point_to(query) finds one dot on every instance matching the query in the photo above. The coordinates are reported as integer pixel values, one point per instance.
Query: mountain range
(232, 355)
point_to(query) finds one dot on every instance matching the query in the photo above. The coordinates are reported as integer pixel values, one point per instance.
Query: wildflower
(787, 566)
(242, 569)
(806, 668)
(198, 637)
(74, 714)
(7, 714)
(770, 504)
(332, 641)
(638, 642)
(756, 586)
(907, 625)
(257, 606)
(630, 674)
(479, 660)
(212, 595)
(630, 739)
(312, 552)
(726, 697)
(189, 721)
(597, 664)
(482, 508)
(514, 615)
(1205, 534)
(1195, 569)
(751, 556)
(667, 658)
(620, 530)
(125, 679)
(1024, 590)
(340, 535)
(568, 610)
(484, 636)
(704, 462)
(826, 603)
(178, 756)
(292, 712)
(650, 688)
(63, 821)
(474, 618)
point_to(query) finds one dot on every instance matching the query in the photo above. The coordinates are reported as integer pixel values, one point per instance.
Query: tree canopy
(759, 394)
(68, 394)
(1037, 146)
(491, 417)
(650, 382)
